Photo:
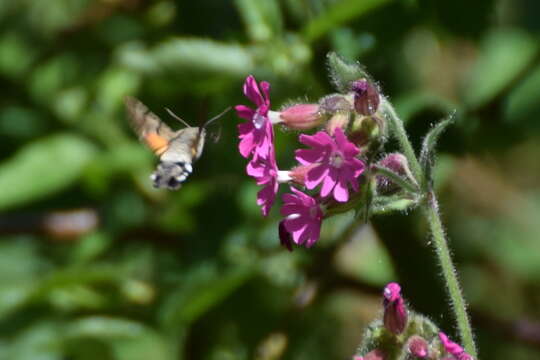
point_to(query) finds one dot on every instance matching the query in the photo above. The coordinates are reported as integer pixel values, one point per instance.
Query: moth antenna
(177, 117)
(208, 122)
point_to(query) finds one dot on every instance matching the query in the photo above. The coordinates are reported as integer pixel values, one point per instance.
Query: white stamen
(181, 178)
(189, 168)
(293, 216)
(153, 177)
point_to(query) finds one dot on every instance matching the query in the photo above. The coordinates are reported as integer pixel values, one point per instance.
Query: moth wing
(148, 126)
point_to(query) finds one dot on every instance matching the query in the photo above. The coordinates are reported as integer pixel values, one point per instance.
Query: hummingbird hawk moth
(177, 150)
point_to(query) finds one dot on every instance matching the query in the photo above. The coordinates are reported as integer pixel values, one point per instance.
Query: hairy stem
(431, 211)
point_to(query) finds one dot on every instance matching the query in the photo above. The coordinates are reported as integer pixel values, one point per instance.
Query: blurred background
(96, 264)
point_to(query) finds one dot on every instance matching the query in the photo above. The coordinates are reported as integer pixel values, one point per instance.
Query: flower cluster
(329, 167)
(402, 333)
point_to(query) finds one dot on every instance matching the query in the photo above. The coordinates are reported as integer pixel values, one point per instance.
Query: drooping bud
(366, 97)
(301, 116)
(398, 164)
(418, 347)
(285, 237)
(395, 313)
(375, 355)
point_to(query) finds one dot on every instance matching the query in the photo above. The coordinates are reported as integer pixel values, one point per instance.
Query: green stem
(430, 209)
(396, 178)
(396, 125)
(450, 276)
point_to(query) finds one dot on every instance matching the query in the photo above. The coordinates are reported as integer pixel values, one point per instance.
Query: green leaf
(262, 18)
(429, 143)
(522, 104)
(338, 14)
(43, 168)
(202, 55)
(203, 289)
(342, 72)
(505, 54)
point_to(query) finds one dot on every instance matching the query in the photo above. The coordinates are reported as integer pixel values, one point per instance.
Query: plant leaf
(43, 168)
(342, 73)
(428, 146)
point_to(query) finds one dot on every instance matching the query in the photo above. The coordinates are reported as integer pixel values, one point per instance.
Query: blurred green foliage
(199, 274)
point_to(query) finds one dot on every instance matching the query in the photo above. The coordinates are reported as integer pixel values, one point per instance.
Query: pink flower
(337, 165)
(265, 172)
(395, 313)
(256, 135)
(303, 217)
(453, 348)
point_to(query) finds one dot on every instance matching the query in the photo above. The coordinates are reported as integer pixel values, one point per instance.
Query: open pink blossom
(256, 135)
(266, 173)
(337, 165)
(303, 217)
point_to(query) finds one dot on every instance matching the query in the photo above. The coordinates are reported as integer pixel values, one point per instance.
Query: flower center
(336, 159)
(258, 120)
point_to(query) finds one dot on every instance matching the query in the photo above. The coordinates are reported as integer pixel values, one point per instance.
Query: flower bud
(335, 103)
(395, 313)
(366, 97)
(450, 346)
(398, 164)
(301, 116)
(339, 120)
(298, 174)
(418, 347)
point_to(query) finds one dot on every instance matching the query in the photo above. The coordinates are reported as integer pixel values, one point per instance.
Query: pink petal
(251, 90)
(265, 198)
(343, 144)
(244, 112)
(289, 209)
(316, 175)
(246, 145)
(329, 182)
(320, 139)
(314, 234)
(308, 156)
(341, 193)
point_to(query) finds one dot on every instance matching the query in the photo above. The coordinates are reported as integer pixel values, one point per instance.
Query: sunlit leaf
(262, 18)
(338, 14)
(43, 168)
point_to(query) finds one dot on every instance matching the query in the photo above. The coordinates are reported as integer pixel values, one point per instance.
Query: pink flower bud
(298, 174)
(395, 313)
(398, 164)
(418, 347)
(301, 116)
(366, 97)
(450, 346)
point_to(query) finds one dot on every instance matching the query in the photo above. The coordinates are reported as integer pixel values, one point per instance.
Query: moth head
(171, 175)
